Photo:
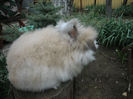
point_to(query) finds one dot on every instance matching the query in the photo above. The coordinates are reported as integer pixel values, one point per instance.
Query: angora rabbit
(44, 58)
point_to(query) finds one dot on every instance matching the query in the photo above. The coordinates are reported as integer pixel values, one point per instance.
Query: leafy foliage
(116, 33)
(99, 9)
(126, 10)
(10, 33)
(4, 83)
(7, 9)
(44, 14)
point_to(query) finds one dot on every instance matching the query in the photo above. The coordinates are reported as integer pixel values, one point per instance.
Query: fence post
(81, 5)
(95, 1)
(125, 2)
(109, 8)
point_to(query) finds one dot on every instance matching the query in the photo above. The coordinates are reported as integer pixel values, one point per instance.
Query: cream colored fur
(44, 58)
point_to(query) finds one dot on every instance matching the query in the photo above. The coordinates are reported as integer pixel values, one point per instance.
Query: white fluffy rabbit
(44, 58)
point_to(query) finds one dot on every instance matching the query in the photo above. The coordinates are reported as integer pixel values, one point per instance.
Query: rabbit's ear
(73, 33)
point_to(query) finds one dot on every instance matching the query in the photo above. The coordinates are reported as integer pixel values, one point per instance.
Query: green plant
(88, 19)
(4, 83)
(99, 9)
(7, 9)
(44, 14)
(116, 33)
(10, 33)
(126, 10)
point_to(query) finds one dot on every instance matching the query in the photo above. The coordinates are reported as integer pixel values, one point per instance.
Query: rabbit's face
(85, 37)
(82, 37)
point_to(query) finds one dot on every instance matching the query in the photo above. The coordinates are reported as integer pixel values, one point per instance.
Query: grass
(116, 33)
(126, 11)
(99, 9)
(86, 19)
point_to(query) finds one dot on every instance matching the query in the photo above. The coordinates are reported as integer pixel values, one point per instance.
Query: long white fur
(44, 58)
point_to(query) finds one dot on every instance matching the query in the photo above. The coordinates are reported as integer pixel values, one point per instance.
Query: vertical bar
(95, 2)
(124, 2)
(109, 8)
(81, 5)
(129, 71)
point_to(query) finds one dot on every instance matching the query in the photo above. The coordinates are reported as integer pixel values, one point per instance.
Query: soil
(105, 78)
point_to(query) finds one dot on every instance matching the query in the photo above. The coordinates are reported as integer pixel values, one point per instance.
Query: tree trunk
(65, 91)
(65, 4)
(109, 8)
(69, 6)
(125, 2)
(95, 2)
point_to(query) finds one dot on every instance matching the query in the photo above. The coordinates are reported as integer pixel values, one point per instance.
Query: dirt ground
(105, 78)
